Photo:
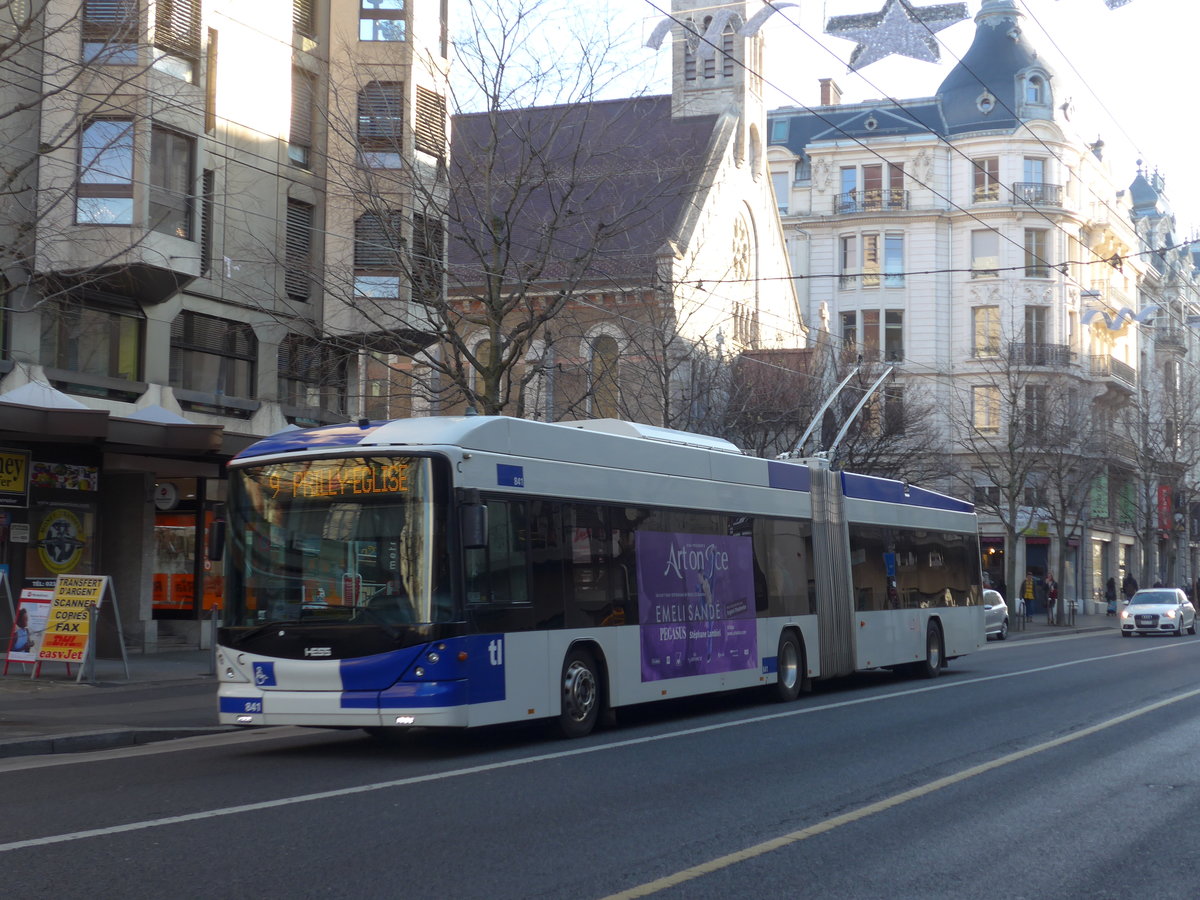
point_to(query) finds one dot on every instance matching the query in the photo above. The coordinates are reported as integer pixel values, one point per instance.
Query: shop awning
(39, 412)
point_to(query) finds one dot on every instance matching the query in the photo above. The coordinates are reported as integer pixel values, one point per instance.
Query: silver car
(995, 616)
(1158, 611)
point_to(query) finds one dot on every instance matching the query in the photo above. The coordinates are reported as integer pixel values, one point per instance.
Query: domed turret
(1000, 81)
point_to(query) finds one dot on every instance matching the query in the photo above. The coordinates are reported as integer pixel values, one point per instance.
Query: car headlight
(1169, 614)
(1124, 614)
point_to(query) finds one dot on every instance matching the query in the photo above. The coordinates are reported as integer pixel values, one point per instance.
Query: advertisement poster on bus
(696, 604)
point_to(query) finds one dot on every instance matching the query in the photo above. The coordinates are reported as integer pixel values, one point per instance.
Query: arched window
(603, 373)
(1035, 90)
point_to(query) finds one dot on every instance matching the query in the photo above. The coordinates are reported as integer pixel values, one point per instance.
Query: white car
(995, 616)
(1158, 611)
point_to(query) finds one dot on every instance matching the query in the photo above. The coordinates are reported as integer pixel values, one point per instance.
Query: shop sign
(68, 626)
(14, 478)
(66, 476)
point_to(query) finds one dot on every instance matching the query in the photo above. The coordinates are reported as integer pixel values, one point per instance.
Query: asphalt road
(1063, 767)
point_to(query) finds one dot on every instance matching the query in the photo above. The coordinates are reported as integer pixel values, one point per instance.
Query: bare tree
(997, 436)
(549, 206)
(1060, 422)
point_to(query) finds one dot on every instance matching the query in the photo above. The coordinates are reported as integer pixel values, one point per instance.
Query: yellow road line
(731, 859)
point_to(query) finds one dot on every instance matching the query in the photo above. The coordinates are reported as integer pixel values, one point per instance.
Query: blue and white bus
(463, 571)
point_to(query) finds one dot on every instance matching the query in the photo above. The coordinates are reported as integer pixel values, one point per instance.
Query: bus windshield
(358, 540)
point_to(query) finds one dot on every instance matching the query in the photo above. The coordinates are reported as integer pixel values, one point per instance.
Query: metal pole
(212, 656)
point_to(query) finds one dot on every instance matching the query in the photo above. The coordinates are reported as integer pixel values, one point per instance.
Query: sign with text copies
(67, 627)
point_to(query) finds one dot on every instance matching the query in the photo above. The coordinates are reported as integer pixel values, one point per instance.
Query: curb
(1057, 630)
(85, 742)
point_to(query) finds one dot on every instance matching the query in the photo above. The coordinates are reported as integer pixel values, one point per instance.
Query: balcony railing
(1037, 194)
(1105, 366)
(871, 201)
(1035, 354)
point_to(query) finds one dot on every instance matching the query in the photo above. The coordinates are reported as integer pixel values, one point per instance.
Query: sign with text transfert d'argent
(68, 624)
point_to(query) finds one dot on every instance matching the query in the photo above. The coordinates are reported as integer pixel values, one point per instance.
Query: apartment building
(977, 244)
(185, 222)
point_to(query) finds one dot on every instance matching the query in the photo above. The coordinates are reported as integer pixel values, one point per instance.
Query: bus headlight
(433, 657)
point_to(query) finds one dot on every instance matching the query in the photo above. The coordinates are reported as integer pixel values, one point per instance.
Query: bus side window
(496, 573)
(589, 552)
(547, 560)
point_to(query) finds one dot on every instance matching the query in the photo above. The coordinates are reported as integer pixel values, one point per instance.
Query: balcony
(870, 201)
(1173, 340)
(1104, 366)
(1035, 193)
(1036, 354)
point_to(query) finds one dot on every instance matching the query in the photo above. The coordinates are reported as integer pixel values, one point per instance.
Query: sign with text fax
(67, 627)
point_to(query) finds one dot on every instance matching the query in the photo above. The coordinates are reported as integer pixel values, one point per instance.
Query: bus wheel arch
(791, 666)
(583, 689)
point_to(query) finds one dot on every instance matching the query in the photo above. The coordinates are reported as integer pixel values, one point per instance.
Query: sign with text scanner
(68, 624)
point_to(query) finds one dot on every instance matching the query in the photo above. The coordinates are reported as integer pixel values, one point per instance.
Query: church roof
(613, 177)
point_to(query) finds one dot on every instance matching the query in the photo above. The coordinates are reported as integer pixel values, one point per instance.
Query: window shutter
(177, 27)
(377, 240)
(303, 91)
(298, 250)
(207, 188)
(430, 127)
(428, 247)
(381, 114)
(303, 21)
(109, 19)
(209, 334)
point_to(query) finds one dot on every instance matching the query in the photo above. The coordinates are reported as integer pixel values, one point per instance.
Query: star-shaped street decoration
(897, 28)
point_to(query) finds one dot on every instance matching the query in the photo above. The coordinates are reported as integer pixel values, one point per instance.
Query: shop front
(88, 493)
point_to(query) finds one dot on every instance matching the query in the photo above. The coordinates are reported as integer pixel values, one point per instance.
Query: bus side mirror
(216, 540)
(474, 519)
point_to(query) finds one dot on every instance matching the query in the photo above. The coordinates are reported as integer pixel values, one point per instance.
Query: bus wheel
(789, 667)
(580, 695)
(932, 667)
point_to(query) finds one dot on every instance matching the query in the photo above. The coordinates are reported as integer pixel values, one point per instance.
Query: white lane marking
(542, 757)
(175, 745)
(730, 859)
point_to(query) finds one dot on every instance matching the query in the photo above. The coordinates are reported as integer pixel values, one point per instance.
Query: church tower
(715, 67)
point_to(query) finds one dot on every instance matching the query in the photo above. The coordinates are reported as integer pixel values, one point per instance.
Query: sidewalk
(173, 695)
(1036, 626)
(167, 695)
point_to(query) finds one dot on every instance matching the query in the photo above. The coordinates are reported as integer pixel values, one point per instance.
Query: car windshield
(352, 540)
(1156, 597)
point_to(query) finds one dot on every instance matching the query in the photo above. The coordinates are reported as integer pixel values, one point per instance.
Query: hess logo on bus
(318, 651)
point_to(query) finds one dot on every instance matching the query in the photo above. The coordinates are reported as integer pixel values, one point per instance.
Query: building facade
(178, 228)
(973, 241)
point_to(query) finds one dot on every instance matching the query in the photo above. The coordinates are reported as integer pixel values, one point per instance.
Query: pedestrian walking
(1129, 586)
(1028, 594)
(1110, 596)
(1051, 598)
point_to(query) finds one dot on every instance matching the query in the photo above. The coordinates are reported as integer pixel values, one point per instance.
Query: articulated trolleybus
(453, 572)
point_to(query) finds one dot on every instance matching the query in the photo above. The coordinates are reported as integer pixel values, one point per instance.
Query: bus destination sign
(341, 478)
